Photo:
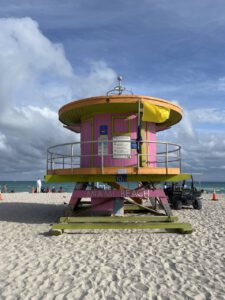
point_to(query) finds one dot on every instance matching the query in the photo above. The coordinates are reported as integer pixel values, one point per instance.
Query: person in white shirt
(38, 185)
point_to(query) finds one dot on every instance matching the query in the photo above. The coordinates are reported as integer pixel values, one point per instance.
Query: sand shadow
(31, 213)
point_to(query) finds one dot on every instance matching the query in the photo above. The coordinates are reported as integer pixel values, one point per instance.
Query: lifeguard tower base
(118, 162)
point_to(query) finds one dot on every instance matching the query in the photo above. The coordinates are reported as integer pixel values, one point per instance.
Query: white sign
(103, 145)
(121, 147)
(122, 171)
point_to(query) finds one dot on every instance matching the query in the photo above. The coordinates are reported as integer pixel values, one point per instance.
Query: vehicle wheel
(197, 204)
(177, 203)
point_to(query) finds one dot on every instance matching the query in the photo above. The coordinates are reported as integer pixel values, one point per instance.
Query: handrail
(65, 156)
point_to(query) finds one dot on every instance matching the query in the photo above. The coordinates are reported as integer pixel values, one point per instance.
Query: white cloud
(221, 84)
(202, 150)
(36, 81)
(28, 61)
(186, 126)
(2, 141)
(208, 115)
(98, 81)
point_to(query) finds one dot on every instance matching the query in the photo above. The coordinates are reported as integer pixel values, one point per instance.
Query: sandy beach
(130, 264)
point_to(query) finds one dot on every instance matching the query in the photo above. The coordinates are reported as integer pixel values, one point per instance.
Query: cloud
(2, 142)
(96, 81)
(203, 150)
(36, 81)
(30, 64)
(37, 78)
(208, 115)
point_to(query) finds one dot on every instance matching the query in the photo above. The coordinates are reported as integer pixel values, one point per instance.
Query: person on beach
(5, 189)
(38, 185)
(60, 190)
(53, 190)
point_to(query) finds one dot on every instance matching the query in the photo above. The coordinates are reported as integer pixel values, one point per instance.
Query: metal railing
(141, 154)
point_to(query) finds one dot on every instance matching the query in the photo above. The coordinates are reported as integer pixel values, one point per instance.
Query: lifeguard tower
(118, 161)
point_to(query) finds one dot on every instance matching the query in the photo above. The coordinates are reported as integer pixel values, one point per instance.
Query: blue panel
(103, 129)
(133, 145)
(121, 178)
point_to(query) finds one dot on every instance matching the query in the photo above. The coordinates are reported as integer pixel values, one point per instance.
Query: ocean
(26, 186)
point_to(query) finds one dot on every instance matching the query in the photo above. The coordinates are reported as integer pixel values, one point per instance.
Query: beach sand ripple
(129, 264)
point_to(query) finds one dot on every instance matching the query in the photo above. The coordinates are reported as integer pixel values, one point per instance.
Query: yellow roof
(73, 112)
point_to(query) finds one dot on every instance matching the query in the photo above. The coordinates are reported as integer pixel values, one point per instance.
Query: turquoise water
(26, 186)
(210, 186)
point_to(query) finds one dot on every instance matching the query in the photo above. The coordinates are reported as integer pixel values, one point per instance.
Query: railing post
(179, 152)
(47, 164)
(138, 161)
(71, 156)
(170, 152)
(166, 158)
(102, 158)
(51, 161)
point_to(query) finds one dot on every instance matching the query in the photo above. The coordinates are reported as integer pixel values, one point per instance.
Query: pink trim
(86, 149)
(101, 204)
(118, 193)
(73, 201)
(151, 128)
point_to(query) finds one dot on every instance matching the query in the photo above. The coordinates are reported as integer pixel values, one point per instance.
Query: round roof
(73, 112)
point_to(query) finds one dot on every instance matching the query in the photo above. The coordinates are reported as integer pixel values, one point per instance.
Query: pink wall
(151, 147)
(102, 204)
(121, 125)
(86, 149)
(124, 124)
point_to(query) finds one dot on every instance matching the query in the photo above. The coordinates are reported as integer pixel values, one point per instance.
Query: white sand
(130, 264)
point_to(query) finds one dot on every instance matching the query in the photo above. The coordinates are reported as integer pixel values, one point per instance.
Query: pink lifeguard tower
(118, 159)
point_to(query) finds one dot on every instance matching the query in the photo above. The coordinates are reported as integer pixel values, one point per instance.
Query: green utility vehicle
(184, 194)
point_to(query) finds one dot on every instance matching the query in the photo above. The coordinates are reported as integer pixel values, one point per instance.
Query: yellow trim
(113, 125)
(114, 170)
(73, 112)
(87, 117)
(112, 178)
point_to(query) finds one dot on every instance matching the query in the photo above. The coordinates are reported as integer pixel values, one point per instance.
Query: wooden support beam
(132, 219)
(76, 177)
(180, 227)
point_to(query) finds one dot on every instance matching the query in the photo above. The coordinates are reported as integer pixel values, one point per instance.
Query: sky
(53, 51)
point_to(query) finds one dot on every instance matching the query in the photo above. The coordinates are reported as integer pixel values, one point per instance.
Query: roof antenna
(119, 88)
